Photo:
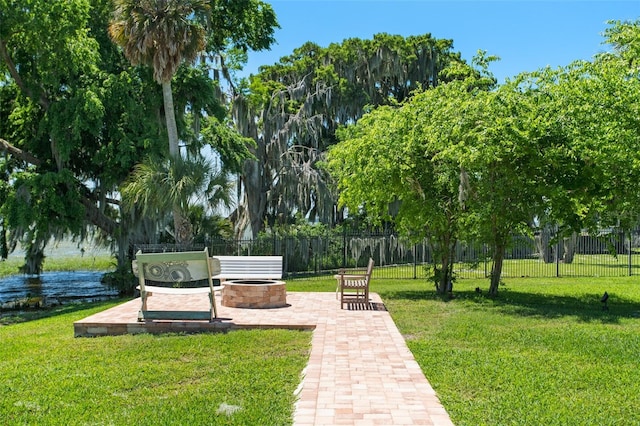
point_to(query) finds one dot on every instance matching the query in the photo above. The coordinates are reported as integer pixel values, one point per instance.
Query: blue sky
(527, 35)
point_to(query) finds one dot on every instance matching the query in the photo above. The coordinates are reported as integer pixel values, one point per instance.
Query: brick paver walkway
(360, 370)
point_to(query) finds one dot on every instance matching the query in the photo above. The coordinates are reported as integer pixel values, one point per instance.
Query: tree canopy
(76, 117)
(557, 147)
(292, 110)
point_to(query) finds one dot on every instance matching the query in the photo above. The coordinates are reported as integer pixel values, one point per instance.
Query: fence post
(485, 257)
(415, 261)
(344, 247)
(317, 254)
(557, 258)
(630, 257)
(284, 241)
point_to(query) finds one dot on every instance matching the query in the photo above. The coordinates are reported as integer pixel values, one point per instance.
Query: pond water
(53, 288)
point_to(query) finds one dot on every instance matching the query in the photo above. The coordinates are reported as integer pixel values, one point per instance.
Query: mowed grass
(48, 377)
(101, 262)
(543, 352)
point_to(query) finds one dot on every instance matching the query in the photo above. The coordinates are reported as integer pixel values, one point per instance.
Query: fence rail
(607, 254)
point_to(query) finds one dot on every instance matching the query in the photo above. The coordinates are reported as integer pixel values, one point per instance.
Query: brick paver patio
(360, 370)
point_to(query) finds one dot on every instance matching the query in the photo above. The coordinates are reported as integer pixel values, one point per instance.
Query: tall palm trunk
(170, 117)
(182, 227)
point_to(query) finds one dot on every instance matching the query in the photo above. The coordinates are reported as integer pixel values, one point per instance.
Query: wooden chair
(355, 288)
(175, 273)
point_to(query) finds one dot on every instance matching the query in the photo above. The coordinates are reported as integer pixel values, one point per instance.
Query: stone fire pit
(254, 294)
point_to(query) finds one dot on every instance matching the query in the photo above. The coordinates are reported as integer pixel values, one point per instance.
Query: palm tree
(155, 187)
(162, 34)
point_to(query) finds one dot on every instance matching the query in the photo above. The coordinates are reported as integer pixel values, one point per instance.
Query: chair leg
(143, 307)
(213, 313)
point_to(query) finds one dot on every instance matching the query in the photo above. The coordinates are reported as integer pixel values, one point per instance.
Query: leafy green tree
(292, 110)
(402, 156)
(502, 160)
(75, 117)
(625, 38)
(560, 146)
(155, 187)
(166, 33)
(50, 106)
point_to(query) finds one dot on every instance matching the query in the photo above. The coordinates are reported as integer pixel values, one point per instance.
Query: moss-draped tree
(292, 109)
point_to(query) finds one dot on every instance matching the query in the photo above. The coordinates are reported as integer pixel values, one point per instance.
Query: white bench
(248, 267)
(177, 270)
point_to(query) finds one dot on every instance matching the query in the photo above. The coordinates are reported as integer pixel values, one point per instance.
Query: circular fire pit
(254, 294)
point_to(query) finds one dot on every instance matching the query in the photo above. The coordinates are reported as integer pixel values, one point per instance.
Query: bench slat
(150, 289)
(174, 315)
(241, 267)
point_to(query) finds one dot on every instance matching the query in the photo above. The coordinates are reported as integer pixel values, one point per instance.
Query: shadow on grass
(586, 307)
(11, 316)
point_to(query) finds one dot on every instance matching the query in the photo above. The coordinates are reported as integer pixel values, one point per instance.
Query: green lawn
(105, 263)
(543, 352)
(48, 377)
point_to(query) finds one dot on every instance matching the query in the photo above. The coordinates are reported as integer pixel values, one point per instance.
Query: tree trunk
(170, 118)
(496, 269)
(255, 199)
(542, 245)
(181, 226)
(569, 248)
(443, 285)
(4, 247)
(33, 257)
(444, 276)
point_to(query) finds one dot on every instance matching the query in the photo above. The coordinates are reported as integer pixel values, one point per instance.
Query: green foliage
(553, 147)
(51, 37)
(160, 34)
(57, 108)
(625, 38)
(241, 24)
(232, 148)
(72, 103)
(46, 200)
(157, 186)
(400, 164)
(194, 185)
(299, 227)
(294, 107)
(196, 96)
(208, 226)
(122, 279)
(131, 126)
(43, 366)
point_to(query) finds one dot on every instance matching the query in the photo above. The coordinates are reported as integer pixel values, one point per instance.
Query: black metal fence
(611, 253)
